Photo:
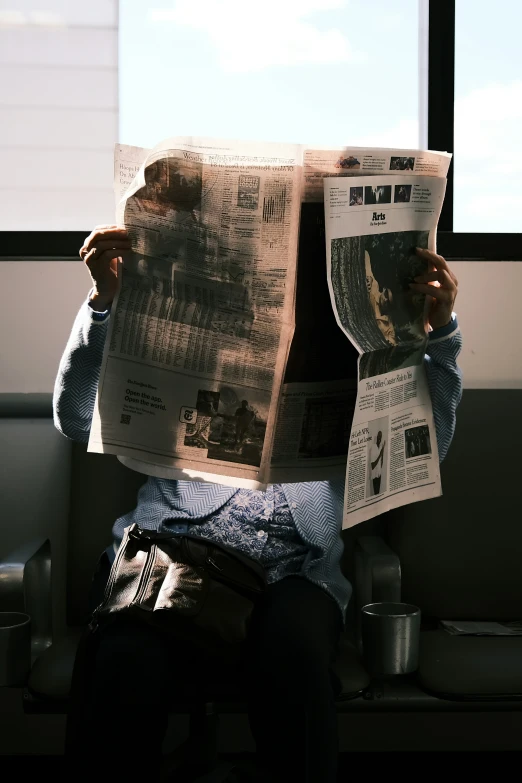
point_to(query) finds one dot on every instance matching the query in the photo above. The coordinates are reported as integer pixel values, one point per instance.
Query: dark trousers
(289, 687)
(376, 485)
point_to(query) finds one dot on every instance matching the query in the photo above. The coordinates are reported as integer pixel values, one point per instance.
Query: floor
(24, 767)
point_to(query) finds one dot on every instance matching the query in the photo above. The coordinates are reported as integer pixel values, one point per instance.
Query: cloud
(488, 160)
(251, 37)
(404, 133)
(487, 118)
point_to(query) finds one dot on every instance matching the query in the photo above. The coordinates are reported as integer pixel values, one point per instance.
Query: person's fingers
(94, 239)
(110, 233)
(428, 277)
(114, 249)
(93, 258)
(102, 227)
(448, 281)
(439, 262)
(108, 244)
(440, 276)
(442, 294)
(105, 232)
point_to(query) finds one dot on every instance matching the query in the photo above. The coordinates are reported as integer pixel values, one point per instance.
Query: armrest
(377, 571)
(377, 576)
(25, 586)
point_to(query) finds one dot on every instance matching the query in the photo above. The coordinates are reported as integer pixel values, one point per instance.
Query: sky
(488, 116)
(306, 71)
(328, 72)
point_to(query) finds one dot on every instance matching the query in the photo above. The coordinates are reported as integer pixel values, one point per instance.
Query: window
(320, 72)
(77, 77)
(58, 113)
(488, 116)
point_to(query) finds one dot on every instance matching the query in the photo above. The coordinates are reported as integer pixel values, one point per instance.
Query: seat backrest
(371, 527)
(461, 553)
(34, 488)
(102, 489)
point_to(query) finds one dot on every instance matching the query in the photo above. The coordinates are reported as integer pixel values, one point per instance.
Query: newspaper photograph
(366, 161)
(201, 328)
(372, 229)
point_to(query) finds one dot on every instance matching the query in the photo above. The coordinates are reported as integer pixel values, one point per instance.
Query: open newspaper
(482, 628)
(221, 364)
(372, 229)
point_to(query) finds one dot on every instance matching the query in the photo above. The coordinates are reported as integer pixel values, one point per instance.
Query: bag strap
(153, 536)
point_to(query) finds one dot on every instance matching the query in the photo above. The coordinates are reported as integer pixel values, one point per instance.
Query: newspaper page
(372, 228)
(128, 161)
(318, 398)
(367, 161)
(318, 395)
(319, 390)
(481, 628)
(202, 323)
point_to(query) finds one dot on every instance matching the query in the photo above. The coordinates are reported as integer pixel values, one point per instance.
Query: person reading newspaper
(292, 529)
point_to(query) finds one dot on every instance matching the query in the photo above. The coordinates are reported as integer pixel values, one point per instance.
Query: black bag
(195, 589)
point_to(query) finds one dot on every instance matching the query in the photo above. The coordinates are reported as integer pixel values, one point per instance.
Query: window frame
(461, 246)
(64, 245)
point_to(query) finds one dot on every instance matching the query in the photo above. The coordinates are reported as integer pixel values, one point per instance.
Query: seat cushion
(51, 674)
(347, 675)
(467, 666)
(352, 676)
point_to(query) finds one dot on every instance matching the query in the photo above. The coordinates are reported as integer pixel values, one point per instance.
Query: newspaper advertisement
(372, 228)
(201, 327)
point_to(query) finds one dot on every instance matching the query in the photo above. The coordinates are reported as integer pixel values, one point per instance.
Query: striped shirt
(312, 546)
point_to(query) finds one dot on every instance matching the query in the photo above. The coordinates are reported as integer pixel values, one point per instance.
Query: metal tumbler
(390, 637)
(15, 648)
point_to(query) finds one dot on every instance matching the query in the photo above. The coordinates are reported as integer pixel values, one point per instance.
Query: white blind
(58, 113)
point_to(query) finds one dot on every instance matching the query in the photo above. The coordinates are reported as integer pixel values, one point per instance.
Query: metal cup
(15, 648)
(390, 637)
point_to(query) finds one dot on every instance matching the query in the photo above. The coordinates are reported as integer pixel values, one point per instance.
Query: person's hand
(101, 253)
(440, 284)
